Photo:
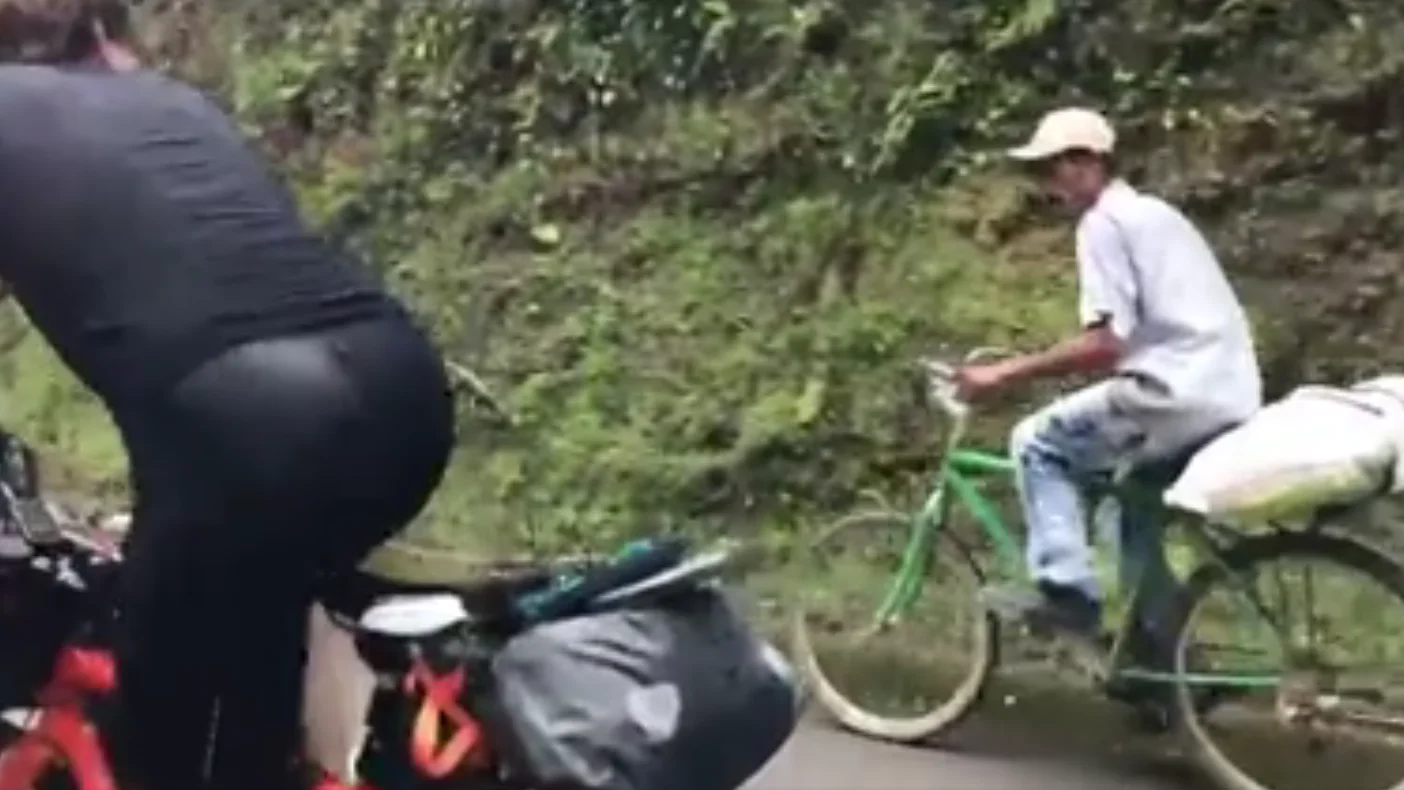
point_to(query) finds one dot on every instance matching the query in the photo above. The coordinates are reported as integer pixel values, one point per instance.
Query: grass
(43, 402)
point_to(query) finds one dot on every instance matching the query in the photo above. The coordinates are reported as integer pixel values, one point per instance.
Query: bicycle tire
(905, 729)
(1238, 560)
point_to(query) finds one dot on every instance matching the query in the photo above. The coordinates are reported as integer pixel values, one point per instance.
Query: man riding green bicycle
(1160, 317)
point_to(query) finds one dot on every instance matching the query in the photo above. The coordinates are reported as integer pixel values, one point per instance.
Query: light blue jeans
(1079, 437)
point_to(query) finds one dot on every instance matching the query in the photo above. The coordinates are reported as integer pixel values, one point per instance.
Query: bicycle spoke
(1309, 613)
(1286, 600)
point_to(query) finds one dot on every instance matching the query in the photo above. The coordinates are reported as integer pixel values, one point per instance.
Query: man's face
(1074, 179)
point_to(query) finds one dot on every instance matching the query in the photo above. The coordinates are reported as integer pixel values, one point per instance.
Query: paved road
(819, 758)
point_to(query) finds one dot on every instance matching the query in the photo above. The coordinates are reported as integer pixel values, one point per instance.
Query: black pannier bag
(679, 695)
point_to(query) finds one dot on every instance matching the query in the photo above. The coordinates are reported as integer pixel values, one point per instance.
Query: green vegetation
(694, 243)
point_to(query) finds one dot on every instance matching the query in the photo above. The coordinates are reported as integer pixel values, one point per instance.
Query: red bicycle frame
(60, 734)
(59, 737)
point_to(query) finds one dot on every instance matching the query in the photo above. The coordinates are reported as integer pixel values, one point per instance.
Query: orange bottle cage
(440, 702)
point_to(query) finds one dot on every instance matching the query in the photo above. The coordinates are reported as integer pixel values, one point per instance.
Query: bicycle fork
(915, 564)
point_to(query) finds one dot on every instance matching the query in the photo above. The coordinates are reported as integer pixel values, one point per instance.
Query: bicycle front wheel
(1290, 665)
(902, 672)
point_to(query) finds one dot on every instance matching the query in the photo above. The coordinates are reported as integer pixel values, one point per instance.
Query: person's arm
(1096, 350)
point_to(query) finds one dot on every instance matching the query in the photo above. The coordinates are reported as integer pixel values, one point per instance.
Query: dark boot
(1064, 610)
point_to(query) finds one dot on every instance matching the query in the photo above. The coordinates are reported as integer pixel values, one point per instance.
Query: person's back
(143, 234)
(1188, 330)
(282, 414)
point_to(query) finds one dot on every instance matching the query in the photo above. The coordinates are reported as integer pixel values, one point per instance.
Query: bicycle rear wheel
(913, 671)
(1308, 722)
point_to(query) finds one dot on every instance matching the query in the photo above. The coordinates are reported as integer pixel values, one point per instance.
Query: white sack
(1318, 446)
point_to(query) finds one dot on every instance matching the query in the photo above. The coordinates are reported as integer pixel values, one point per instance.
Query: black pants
(265, 467)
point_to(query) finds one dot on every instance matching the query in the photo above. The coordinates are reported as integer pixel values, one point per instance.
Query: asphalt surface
(821, 758)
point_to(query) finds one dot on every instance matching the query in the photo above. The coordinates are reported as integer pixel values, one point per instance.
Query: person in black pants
(282, 413)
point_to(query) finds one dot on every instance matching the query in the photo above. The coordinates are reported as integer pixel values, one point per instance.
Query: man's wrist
(1017, 370)
(1064, 359)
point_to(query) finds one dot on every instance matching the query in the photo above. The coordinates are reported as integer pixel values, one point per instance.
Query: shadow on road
(1100, 738)
(823, 758)
(1027, 723)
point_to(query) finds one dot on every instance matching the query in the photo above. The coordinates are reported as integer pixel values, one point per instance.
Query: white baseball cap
(1067, 129)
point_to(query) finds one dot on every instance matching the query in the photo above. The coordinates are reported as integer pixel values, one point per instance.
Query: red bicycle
(417, 654)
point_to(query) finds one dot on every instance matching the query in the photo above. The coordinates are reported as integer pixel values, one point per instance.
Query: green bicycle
(929, 568)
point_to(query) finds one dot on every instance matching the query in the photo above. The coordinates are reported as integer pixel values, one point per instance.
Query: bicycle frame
(60, 732)
(58, 735)
(960, 471)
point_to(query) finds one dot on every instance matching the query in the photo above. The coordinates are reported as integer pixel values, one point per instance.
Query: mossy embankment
(694, 244)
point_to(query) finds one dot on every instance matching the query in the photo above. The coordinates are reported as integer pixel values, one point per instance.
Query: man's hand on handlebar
(952, 387)
(979, 381)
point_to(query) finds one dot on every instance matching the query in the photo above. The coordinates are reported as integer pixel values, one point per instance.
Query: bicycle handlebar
(943, 389)
(942, 385)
